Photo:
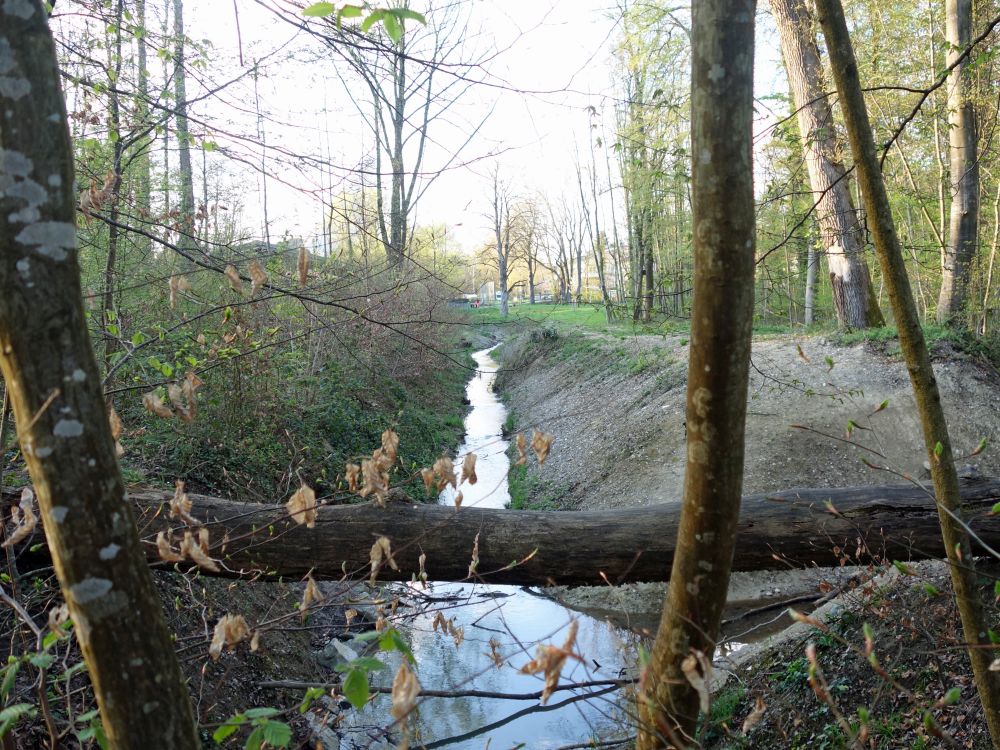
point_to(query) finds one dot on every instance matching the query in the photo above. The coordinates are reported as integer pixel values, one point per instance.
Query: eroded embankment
(616, 407)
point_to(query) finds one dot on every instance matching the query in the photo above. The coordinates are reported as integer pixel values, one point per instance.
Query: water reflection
(515, 620)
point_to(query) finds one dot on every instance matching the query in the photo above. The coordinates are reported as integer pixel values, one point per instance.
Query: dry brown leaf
(495, 654)
(230, 630)
(376, 479)
(459, 497)
(349, 615)
(255, 641)
(196, 551)
(302, 506)
(754, 717)
(698, 671)
(405, 691)
(310, 595)
(469, 469)
(58, 616)
(522, 449)
(390, 446)
(439, 621)
(550, 660)
(541, 443)
(381, 554)
(474, 563)
(116, 430)
(24, 518)
(154, 404)
(234, 278)
(180, 505)
(353, 473)
(445, 470)
(258, 277)
(422, 575)
(166, 552)
(428, 476)
(303, 265)
(177, 284)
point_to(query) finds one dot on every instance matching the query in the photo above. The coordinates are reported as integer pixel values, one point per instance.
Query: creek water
(516, 620)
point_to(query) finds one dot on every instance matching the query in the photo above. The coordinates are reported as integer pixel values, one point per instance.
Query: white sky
(547, 46)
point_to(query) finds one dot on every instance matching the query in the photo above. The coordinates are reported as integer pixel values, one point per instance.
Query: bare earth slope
(616, 407)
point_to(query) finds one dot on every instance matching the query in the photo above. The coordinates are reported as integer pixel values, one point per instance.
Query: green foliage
(264, 729)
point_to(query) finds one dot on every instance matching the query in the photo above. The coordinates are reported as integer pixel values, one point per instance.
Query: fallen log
(792, 528)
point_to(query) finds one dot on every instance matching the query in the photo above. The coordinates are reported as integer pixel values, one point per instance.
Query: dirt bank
(616, 407)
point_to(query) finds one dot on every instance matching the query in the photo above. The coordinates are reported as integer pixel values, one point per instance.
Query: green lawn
(584, 315)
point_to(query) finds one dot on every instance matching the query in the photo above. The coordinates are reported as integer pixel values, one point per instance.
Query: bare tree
(963, 229)
(55, 388)
(841, 228)
(503, 247)
(718, 371)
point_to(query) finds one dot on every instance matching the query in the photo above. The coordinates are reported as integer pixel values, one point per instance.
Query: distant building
(487, 293)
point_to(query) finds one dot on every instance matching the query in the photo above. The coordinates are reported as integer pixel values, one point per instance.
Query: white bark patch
(33, 195)
(79, 375)
(23, 267)
(19, 8)
(110, 552)
(14, 88)
(68, 428)
(59, 513)
(716, 73)
(697, 452)
(7, 62)
(14, 163)
(54, 180)
(50, 238)
(90, 589)
(700, 400)
(43, 452)
(148, 708)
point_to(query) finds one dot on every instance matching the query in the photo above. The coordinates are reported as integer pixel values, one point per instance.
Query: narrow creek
(510, 621)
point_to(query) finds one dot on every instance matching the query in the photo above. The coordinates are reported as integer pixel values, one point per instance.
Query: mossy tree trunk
(721, 318)
(911, 339)
(54, 385)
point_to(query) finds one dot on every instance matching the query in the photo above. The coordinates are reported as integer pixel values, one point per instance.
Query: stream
(516, 620)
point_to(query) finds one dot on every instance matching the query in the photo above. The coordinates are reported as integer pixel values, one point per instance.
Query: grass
(588, 316)
(983, 347)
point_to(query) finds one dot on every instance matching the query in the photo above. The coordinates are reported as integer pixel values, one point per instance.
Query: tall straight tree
(55, 389)
(954, 531)
(186, 220)
(963, 227)
(841, 232)
(722, 43)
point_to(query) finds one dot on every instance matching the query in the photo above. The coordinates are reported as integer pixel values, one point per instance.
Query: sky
(553, 61)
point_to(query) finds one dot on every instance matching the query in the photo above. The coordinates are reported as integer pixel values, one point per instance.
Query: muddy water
(510, 621)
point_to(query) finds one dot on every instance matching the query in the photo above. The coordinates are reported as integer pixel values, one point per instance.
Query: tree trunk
(55, 389)
(963, 228)
(186, 210)
(791, 527)
(722, 51)
(841, 230)
(957, 541)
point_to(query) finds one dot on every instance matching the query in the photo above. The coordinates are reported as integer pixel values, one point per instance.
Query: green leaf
(393, 27)
(952, 696)
(931, 590)
(264, 712)
(409, 15)
(255, 740)
(367, 663)
(277, 734)
(938, 448)
(228, 729)
(11, 670)
(829, 362)
(319, 10)
(311, 695)
(373, 18)
(349, 11)
(391, 640)
(42, 661)
(884, 405)
(356, 687)
(995, 509)
(138, 338)
(13, 714)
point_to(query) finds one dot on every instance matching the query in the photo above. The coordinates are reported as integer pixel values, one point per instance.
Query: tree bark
(722, 53)
(55, 389)
(957, 540)
(841, 231)
(963, 228)
(791, 527)
(186, 239)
